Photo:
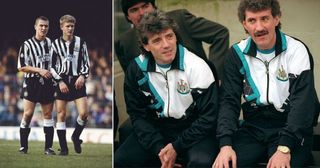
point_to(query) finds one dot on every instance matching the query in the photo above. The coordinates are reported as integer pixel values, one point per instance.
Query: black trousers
(254, 144)
(132, 154)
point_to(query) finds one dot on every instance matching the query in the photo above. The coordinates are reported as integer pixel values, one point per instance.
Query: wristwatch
(283, 149)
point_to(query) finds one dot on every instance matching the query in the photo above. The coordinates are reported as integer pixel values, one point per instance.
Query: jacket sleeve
(230, 99)
(303, 106)
(148, 135)
(215, 34)
(205, 124)
(304, 103)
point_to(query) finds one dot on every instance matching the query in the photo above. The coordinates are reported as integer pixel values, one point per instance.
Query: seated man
(194, 31)
(274, 72)
(172, 100)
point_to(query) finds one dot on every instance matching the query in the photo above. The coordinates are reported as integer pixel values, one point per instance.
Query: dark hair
(41, 18)
(126, 4)
(258, 5)
(154, 22)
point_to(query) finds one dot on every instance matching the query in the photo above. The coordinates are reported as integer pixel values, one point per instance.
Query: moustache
(260, 33)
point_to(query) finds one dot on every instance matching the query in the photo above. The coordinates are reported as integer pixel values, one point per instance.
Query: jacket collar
(280, 46)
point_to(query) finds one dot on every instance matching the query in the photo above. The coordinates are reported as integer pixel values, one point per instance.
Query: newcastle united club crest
(69, 57)
(183, 87)
(282, 74)
(44, 58)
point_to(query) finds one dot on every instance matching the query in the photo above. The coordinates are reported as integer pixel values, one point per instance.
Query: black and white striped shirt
(35, 53)
(70, 58)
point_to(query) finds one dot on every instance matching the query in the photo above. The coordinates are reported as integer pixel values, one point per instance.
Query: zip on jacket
(289, 87)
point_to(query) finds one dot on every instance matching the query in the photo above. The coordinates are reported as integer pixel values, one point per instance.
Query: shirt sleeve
(85, 66)
(23, 56)
(56, 64)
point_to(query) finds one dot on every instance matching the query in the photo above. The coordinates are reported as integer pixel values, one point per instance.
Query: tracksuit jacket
(283, 85)
(179, 107)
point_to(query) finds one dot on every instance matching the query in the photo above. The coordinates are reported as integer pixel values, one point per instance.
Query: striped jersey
(69, 58)
(35, 53)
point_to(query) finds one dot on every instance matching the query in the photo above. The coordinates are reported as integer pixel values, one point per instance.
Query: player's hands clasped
(168, 157)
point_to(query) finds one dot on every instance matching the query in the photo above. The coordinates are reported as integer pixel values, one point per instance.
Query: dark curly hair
(259, 5)
(153, 23)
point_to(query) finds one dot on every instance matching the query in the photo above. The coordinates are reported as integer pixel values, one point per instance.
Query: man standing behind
(274, 72)
(172, 100)
(193, 31)
(35, 61)
(70, 69)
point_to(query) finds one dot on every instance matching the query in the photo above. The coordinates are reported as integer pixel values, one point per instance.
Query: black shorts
(38, 89)
(73, 93)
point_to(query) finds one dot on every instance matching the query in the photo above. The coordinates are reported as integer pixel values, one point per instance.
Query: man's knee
(130, 154)
(119, 160)
(200, 160)
(301, 159)
(203, 153)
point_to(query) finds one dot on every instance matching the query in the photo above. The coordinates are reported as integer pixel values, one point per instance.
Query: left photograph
(56, 83)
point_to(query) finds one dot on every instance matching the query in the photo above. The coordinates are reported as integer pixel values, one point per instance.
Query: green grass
(92, 156)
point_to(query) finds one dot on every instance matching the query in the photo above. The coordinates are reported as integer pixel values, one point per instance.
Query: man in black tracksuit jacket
(193, 32)
(274, 73)
(172, 100)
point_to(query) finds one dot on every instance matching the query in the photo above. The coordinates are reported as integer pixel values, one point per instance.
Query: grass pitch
(92, 156)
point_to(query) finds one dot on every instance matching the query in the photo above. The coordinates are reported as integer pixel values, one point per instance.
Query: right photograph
(216, 84)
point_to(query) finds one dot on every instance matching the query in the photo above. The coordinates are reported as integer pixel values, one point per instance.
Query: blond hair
(67, 19)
